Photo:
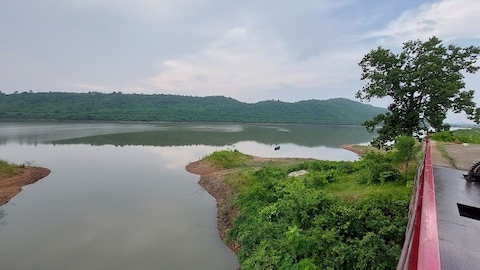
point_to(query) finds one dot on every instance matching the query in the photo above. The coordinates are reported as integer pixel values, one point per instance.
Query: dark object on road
(277, 148)
(469, 211)
(474, 173)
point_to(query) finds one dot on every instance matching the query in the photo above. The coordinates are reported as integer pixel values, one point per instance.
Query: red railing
(421, 249)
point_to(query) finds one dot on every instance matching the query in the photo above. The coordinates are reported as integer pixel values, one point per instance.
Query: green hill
(176, 108)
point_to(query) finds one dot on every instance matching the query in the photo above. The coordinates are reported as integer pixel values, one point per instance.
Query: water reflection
(2, 221)
(107, 207)
(308, 136)
(161, 134)
(134, 206)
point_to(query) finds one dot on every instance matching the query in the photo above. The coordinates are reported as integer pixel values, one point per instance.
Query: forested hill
(176, 108)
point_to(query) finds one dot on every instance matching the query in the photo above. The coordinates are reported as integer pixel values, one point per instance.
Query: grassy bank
(471, 135)
(8, 169)
(340, 215)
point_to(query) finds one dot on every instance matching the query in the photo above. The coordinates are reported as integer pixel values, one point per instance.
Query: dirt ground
(454, 155)
(11, 186)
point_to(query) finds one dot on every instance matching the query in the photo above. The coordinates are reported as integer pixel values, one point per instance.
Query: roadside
(454, 155)
(444, 154)
(12, 185)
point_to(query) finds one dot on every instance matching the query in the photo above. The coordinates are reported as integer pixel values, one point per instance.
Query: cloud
(150, 9)
(175, 158)
(249, 50)
(99, 88)
(447, 19)
(241, 63)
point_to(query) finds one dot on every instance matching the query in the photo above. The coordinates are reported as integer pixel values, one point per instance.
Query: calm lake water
(118, 196)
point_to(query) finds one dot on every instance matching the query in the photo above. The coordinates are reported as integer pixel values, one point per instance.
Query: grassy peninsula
(339, 215)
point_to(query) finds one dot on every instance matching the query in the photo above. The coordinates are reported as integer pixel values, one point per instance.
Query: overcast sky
(250, 50)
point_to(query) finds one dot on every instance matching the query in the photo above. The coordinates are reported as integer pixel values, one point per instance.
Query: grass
(471, 135)
(443, 152)
(228, 158)
(8, 169)
(240, 181)
(350, 190)
(346, 188)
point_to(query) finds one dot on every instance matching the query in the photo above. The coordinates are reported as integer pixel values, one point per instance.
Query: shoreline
(212, 178)
(11, 186)
(355, 148)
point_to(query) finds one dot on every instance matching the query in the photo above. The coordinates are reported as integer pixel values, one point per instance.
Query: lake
(118, 196)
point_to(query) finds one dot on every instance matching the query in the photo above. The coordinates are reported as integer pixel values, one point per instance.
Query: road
(459, 236)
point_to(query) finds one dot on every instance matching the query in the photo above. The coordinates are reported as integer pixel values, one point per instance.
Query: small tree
(425, 81)
(406, 151)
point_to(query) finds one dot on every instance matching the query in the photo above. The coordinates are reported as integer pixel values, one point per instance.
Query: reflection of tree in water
(302, 135)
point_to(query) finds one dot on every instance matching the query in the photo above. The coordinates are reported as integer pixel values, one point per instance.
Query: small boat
(277, 147)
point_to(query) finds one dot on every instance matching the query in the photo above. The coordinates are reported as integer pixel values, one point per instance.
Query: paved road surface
(459, 237)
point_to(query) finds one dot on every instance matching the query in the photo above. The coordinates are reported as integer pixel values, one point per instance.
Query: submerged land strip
(11, 185)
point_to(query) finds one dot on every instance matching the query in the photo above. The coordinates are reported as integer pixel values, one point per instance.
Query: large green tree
(424, 81)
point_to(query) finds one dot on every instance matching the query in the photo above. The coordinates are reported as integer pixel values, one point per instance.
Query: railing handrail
(421, 247)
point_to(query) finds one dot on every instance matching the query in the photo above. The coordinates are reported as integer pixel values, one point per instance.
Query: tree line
(176, 108)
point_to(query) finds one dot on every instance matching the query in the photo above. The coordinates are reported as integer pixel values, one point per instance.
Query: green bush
(471, 135)
(270, 172)
(293, 223)
(443, 136)
(377, 168)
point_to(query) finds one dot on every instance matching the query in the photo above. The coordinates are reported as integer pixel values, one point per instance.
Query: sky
(250, 50)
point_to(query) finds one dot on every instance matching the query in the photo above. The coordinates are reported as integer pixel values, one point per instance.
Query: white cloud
(99, 88)
(176, 157)
(447, 19)
(151, 9)
(242, 63)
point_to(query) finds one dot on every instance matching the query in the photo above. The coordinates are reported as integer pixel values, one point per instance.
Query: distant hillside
(175, 108)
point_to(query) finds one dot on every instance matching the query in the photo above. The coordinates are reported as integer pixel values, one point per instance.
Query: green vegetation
(407, 149)
(341, 215)
(444, 154)
(227, 159)
(191, 134)
(8, 169)
(175, 108)
(424, 81)
(459, 136)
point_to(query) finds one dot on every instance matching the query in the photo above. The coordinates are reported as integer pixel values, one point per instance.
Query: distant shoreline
(355, 148)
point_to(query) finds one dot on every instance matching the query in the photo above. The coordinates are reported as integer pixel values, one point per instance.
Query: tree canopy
(425, 81)
(175, 108)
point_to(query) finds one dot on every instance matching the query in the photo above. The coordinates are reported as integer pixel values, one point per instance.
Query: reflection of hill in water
(309, 136)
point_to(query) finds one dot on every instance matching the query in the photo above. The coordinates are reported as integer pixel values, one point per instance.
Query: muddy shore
(12, 185)
(212, 179)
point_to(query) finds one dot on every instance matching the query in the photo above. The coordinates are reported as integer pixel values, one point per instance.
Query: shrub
(377, 168)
